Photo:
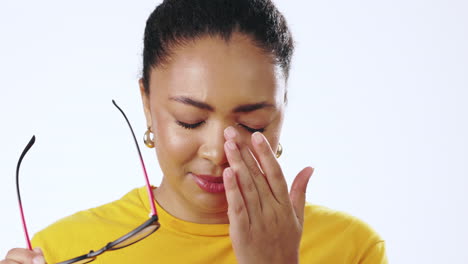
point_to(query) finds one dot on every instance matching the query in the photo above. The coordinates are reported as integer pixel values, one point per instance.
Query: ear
(146, 103)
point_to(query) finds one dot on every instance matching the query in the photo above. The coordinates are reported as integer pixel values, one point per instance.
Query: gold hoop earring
(149, 142)
(279, 151)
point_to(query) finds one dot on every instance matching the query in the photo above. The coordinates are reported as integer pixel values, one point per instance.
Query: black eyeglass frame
(91, 256)
(110, 246)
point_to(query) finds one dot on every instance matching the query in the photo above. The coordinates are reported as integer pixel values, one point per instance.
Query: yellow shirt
(328, 236)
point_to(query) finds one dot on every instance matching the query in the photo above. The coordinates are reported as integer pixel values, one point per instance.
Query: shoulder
(317, 216)
(92, 228)
(339, 230)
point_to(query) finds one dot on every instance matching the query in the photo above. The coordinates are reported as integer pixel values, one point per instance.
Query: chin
(211, 202)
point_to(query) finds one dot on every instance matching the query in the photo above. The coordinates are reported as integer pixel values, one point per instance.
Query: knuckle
(279, 176)
(253, 167)
(249, 186)
(16, 254)
(254, 170)
(237, 209)
(12, 252)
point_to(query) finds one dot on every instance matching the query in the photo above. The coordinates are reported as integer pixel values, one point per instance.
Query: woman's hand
(24, 256)
(265, 221)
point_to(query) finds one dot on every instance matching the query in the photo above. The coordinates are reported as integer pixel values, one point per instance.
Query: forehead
(211, 69)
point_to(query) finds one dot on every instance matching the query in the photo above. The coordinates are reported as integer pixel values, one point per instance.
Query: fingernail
(231, 145)
(38, 250)
(258, 138)
(310, 176)
(230, 132)
(227, 173)
(39, 260)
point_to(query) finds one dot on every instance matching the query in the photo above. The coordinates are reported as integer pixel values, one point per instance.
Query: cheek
(273, 134)
(173, 147)
(273, 138)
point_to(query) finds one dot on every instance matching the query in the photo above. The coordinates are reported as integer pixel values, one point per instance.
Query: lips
(209, 183)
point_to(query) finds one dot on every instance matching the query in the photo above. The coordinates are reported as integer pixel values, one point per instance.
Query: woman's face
(206, 86)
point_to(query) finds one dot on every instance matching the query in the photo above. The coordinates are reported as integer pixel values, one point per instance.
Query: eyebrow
(245, 108)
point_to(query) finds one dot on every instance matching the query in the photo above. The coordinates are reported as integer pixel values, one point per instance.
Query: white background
(378, 105)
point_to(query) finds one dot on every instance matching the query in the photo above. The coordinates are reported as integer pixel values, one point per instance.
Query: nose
(212, 148)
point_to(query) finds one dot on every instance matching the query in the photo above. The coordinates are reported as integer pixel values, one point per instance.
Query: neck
(185, 209)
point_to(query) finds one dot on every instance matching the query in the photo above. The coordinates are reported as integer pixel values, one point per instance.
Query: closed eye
(189, 126)
(195, 125)
(252, 130)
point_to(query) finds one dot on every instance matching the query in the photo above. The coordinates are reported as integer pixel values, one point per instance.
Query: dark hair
(175, 22)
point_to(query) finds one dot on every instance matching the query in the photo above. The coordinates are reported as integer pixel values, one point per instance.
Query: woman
(214, 94)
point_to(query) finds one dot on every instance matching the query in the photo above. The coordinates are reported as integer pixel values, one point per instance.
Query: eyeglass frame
(153, 220)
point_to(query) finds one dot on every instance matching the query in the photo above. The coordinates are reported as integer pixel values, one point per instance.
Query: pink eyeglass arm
(148, 188)
(23, 220)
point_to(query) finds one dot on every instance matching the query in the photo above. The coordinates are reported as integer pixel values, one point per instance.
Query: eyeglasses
(139, 233)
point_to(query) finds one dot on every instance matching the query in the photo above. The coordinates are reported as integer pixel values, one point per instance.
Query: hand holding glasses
(139, 233)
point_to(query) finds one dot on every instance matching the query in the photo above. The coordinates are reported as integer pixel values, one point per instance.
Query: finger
(258, 176)
(38, 250)
(237, 211)
(9, 261)
(298, 192)
(253, 166)
(245, 182)
(22, 255)
(39, 259)
(271, 168)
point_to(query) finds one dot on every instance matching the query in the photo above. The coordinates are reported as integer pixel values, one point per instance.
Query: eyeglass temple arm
(26, 234)
(148, 186)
